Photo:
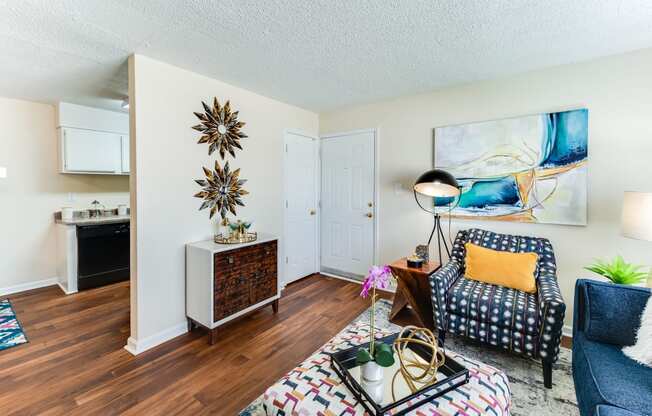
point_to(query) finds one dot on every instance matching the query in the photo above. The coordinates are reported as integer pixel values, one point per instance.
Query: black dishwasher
(102, 254)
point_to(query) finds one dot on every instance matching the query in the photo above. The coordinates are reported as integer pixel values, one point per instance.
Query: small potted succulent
(239, 228)
(619, 271)
(378, 355)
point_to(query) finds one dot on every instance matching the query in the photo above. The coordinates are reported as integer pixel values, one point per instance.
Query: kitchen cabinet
(92, 140)
(95, 152)
(125, 153)
(91, 251)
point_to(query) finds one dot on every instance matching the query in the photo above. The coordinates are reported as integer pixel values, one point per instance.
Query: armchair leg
(547, 373)
(442, 337)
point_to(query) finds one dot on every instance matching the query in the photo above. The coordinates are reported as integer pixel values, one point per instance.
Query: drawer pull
(231, 259)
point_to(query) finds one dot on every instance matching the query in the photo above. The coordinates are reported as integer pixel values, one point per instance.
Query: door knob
(312, 212)
(369, 215)
(370, 204)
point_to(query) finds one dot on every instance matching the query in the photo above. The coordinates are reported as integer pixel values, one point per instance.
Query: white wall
(166, 160)
(34, 190)
(616, 90)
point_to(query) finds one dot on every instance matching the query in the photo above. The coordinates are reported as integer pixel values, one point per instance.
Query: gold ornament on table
(238, 233)
(417, 373)
(220, 128)
(222, 190)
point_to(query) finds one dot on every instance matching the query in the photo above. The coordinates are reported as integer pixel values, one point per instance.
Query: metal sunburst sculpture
(220, 128)
(222, 190)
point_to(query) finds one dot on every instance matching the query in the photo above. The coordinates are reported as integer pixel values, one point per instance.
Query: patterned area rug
(11, 333)
(529, 396)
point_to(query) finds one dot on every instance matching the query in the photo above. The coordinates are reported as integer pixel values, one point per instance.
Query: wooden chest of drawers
(224, 282)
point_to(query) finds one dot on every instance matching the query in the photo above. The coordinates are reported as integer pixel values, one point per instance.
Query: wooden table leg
(416, 293)
(420, 312)
(399, 302)
(212, 336)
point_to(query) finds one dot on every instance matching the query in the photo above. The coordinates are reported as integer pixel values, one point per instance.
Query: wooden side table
(414, 290)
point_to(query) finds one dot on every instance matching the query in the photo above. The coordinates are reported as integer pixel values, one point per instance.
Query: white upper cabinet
(125, 154)
(88, 151)
(92, 141)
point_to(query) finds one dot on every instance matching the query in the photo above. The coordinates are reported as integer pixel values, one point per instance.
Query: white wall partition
(165, 160)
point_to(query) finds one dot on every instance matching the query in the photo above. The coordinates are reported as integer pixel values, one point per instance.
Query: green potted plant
(378, 355)
(619, 271)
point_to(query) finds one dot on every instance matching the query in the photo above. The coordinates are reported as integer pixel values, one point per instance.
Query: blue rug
(11, 333)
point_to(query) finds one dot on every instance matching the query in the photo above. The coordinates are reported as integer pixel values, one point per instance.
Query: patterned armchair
(527, 324)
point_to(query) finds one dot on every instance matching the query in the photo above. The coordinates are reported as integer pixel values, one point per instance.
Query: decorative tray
(236, 238)
(391, 395)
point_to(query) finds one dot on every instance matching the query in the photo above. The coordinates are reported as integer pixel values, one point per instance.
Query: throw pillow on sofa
(642, 350)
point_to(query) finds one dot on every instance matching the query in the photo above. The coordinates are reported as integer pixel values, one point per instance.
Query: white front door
(347, 203)
(301, 190)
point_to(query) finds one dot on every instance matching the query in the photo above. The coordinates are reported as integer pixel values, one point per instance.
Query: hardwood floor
(75, 363)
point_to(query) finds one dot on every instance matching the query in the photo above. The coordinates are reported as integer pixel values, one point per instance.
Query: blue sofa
(606, 318)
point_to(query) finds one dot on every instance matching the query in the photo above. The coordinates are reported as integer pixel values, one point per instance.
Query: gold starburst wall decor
(221, 190)
(220, 128)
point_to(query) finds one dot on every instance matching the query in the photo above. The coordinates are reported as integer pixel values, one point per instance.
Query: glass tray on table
(392, 393)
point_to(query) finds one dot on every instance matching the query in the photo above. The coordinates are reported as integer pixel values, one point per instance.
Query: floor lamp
(436, 183)
(637, 218)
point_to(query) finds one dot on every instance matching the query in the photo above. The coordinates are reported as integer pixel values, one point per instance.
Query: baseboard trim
(136, 347)
(567, 331)
(342, 273)
(9, 290)
(63, 289)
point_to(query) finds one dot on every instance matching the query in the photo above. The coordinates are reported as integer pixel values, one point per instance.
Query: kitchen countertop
(113, 219)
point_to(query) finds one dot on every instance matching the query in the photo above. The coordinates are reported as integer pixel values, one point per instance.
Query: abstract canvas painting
(527, 169)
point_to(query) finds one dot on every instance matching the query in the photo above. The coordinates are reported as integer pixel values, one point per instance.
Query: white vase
(374, 389)
(372, 371)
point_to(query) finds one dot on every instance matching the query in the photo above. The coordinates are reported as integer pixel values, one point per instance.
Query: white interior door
(347, 203)
(301, 213)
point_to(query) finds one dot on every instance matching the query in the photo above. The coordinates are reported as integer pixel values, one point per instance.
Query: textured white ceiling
(317, 54)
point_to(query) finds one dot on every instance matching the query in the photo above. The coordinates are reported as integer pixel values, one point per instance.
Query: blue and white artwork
(527, 169)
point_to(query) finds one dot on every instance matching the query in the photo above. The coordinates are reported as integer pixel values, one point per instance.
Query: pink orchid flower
(378, 278)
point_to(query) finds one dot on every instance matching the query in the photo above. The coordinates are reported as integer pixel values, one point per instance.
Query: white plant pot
(372, 371)
(374, 389)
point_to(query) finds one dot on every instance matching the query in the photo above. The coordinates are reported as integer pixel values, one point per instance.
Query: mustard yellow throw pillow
(513, 270)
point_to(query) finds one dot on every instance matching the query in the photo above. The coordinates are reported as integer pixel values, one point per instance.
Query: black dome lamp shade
(436, 183)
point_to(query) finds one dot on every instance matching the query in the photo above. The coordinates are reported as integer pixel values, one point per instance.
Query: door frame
(317, 183)
(376, 193)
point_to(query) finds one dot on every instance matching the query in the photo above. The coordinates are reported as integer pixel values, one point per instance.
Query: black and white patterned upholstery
(528, 324)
